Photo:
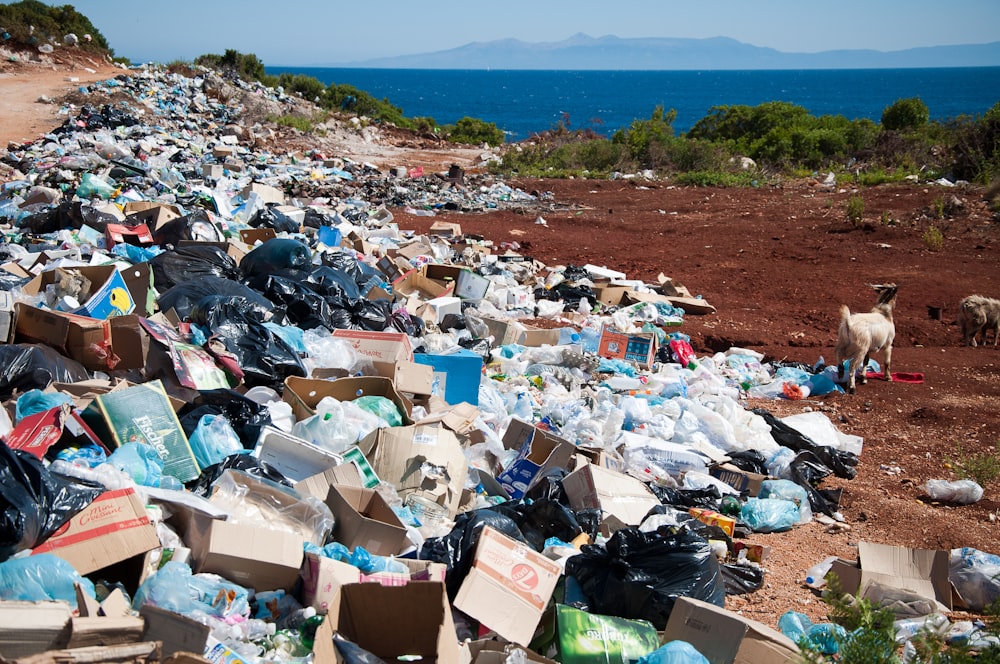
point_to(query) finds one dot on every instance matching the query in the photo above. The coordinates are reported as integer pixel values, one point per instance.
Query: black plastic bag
(246, 416)
(352, 653)
(276, 254)
(372, 315)
(402, 321)
(25, 367)
(271, 217)
(540, 520)
(640, 575)
(808, 471)
(265, 358)
(841, 462)
(333, 283)
(68, 214)
(244, 462)
(708, 496)
(183, 297)
(34, 503)
(190, 263)
(197, 225)
(457, 549)
(304, 308)
(751, 461)
(361, 273)
(742, 579)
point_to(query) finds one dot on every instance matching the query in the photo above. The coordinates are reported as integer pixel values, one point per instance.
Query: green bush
(49, 22)
(933, 238)
(855, 210)
(474, 131)
(904, 114)
(646, 140)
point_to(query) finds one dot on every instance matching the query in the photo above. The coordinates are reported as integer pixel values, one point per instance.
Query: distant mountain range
(609, 52)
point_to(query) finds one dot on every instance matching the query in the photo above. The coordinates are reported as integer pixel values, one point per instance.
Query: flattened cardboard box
(113, 528)
(921, 571)
(322, 577)
(508, 587)
(724, 637)
(30, 628)
(623, 496)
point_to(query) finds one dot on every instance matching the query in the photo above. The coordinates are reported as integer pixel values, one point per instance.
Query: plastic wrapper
(25, 367)
(188, 263)
(183, 297)
(961, 492)
(327, 428)
(244, 463)
(140, 462)
(769, 515)
(34, 502)
(245, 415)
(381, 407)
(45, 576)
(975, 575)
(788, 490)
(794, 625)
(253, 500)
(271, 217)
(176, 589)
(640, 575)
(213, 440)
(35, 401)
(276, 254)
(674, 652)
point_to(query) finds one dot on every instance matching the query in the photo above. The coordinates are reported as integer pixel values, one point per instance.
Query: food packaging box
(572, 636)
(538, 451)
(456, 375)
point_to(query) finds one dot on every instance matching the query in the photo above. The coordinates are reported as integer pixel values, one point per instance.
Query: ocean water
(526, 102)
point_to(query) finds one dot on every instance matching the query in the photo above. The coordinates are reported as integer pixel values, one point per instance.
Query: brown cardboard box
(392, 621)
(252, 556)
(633, 347)
(323, 577)
(623, 496)
(445, 229)
(920, 572)
(742, 480)
(397, 454)
(539, 451)
(318, 485)
(304, 393)
(29, 628)
(387, 347)
(508, 587)
(178, 633)
(725, 637)
(363, 518)
(89, 341)
(415, 282)
(113, 528)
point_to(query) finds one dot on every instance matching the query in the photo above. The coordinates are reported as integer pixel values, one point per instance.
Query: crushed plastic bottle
(816, 575)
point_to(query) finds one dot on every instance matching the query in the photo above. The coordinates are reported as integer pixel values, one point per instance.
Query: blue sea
(526, 102)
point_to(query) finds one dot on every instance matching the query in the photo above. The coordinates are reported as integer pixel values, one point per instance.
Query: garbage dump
(250, 417)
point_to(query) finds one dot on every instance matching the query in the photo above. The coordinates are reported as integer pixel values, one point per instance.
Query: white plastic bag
(962, 492)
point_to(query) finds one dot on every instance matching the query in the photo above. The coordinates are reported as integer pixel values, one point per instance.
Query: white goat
(978, 314)
(860, 335)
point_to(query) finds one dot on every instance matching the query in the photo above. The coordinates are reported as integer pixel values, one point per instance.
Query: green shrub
(49, 22)
(299, 122)
(855, 210)
(904, 114)
(982, 467)
(933, 238)
(646, 140)
(307, 87)
(474, 131)
(244, 65)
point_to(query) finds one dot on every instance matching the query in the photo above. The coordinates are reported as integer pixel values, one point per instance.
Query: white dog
(860, 335)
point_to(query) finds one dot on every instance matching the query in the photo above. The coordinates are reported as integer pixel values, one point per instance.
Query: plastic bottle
(296, 619)
(816, 575)
(907, 628)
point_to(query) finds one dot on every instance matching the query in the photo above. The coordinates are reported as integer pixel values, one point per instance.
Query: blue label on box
(113, 299)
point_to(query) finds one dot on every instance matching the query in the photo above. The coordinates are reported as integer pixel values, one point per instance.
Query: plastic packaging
(976, 576)
(769, 515)
(935, 623)
(794, 625)
(213, 440)
(816, 575)
(328, 428)
(674, 652)
(961, 492)
(44, 576)
(788, 490)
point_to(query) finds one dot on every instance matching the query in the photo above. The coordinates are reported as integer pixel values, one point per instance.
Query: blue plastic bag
(675, 652)
(795, 625)
(176, 589)
(769, 515)
(788, 490)
(140, 462)
(213, 440)
(41, 577)
(36, 401)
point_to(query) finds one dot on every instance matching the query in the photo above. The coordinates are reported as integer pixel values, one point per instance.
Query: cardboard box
(407, 377)
(353, 471)
(416, 283)
(30, 628)
(392, 621)
(508, 587)
(292, 456)
(363, 518)
(138, 235)
(57, 427)
(725, 637)
(438, 308)
(456, 375)
(538, 451)
(579, 637)
(445, 229)
(176, 632)
(744, 481)
(143, 413)
(625, 497)
(152, 214)
(107, 296)
(388, 347)
(638, 348)
(253, 556)
(323, 577)
(303, 394)
(921, 572)
(713, 518)
(89, 341)
(113, 528)
(610, 294)
(504, 332)
(398, 453)
(265, 192)
(691, 305)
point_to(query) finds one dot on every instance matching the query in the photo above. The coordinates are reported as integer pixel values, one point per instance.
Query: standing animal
(978, 314)
(860, 335)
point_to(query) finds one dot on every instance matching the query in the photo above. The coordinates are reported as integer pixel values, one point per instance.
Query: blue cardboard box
(456, 375)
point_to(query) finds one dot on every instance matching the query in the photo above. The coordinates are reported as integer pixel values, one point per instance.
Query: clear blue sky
(320, 32)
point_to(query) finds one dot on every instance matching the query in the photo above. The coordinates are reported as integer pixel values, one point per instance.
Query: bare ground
(777, 262)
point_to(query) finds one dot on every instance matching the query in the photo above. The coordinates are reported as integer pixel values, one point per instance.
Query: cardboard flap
(921, 571)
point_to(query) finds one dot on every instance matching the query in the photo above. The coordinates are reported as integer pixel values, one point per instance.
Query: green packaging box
(142, 413)
(572, 636)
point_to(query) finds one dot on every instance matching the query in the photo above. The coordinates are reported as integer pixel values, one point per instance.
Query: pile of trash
(250, 418)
